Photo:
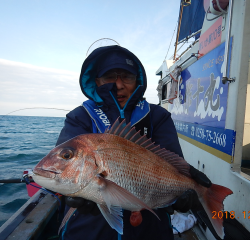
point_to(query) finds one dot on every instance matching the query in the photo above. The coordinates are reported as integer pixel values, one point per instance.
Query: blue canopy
(192, 18)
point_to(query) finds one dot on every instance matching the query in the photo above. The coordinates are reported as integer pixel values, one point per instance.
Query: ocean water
(24, 141)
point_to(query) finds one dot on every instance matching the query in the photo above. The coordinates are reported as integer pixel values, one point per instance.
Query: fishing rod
(21, 109)
(27, 178)
(15, 180)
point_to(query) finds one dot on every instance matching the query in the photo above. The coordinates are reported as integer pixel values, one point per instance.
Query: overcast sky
(43, 44)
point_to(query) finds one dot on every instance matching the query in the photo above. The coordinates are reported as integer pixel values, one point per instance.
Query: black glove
(188, 200)
(200, 177)
(83, 206)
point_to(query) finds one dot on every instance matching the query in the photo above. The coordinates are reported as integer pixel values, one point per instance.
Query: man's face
(125, 83)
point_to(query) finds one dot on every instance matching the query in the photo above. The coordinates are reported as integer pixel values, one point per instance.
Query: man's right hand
(186, 201)
(83, 206)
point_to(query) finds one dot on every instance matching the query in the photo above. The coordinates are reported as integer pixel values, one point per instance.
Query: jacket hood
(90, 69)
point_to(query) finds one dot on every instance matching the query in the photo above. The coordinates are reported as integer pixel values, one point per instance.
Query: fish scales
(139, 171)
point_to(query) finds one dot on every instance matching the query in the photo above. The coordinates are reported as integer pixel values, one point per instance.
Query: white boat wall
(210, 101)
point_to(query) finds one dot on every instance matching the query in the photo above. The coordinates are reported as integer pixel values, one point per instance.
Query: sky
(43, 44)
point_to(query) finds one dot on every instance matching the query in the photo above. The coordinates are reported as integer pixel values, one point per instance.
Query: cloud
(61, 40)
(27, 86)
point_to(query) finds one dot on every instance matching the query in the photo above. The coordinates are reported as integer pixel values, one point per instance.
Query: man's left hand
(188, 200)
(200, 177)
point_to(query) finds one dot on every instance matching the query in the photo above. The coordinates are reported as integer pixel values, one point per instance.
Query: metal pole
(227, 43)
(178, 32)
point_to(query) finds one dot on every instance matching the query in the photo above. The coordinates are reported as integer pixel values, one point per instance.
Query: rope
(171, 226)
(179, 49)
(171, 39)
(179, 26)
(43, 189)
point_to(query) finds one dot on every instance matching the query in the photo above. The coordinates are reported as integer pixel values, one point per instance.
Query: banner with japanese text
(203, 96)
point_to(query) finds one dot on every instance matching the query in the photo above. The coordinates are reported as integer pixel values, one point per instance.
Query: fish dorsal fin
(125, 131)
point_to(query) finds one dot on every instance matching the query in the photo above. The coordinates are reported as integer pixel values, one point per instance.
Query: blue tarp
(192, 18)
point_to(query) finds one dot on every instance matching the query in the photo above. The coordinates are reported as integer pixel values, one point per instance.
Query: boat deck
(188, 235)
(31, 221)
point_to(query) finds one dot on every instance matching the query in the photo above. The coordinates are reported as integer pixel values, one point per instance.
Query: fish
(121, 169)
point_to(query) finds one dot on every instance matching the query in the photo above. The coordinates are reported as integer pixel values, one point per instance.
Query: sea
(24, 141)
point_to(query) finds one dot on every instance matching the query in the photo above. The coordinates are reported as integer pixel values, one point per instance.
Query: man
(114, 81)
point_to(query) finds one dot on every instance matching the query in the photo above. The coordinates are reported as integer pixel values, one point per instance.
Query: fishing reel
(27, 175)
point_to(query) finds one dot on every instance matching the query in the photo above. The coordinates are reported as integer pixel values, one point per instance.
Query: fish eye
(67, 154)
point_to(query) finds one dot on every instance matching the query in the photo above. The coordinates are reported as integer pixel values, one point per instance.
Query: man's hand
(200, 177)
(83, 206)
(188, 200)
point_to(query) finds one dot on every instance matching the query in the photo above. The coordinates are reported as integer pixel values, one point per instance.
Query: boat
(39, 218)
(206, 87)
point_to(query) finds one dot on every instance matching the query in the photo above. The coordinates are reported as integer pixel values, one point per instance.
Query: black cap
(116, 59)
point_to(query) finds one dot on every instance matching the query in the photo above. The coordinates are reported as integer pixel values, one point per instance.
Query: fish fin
(212, 201)
(120, 128)
(166, 204)
(113, 216)
(114, 195)
(66, 218)
(125, 131)
(130, 133)
(135, 137)
(114, 126)
(146, 143)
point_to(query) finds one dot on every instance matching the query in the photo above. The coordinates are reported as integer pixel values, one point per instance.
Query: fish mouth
(45, 173)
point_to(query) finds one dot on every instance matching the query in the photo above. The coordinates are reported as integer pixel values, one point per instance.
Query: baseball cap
(116, 59)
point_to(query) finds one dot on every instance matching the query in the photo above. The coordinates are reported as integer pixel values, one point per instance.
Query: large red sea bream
(120, 169)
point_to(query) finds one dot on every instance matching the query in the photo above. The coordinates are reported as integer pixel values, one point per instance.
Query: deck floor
(188, 235)
(194, 233)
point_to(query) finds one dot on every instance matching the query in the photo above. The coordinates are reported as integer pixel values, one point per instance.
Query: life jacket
(140, 117)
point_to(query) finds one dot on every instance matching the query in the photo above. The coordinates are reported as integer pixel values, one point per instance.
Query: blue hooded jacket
(78, 121)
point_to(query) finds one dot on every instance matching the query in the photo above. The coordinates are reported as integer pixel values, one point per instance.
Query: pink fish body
(121, 169)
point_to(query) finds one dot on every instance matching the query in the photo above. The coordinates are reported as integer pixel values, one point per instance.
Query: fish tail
(212, 201)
